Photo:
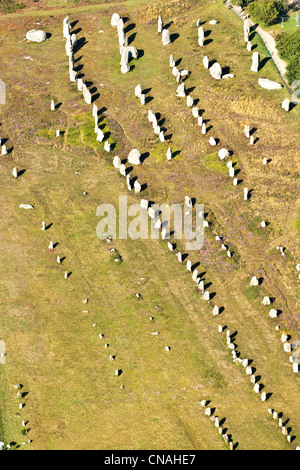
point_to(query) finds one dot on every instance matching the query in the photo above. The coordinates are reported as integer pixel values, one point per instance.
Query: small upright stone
(160, 25)
(165, 37)
(286, 104)
(255, 62)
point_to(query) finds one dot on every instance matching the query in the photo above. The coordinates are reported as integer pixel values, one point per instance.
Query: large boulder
(216, 71)
(269, 84)
(36, 35)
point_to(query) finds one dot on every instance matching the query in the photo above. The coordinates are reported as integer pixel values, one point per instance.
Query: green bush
(288, 46)
(265, 11)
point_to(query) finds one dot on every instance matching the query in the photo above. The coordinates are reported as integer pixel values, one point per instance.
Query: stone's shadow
(48, 35)
(76, 31)
(21, 172)
(129, 27)
(78, 68)
(173, 37)
(225, 70)
(79, 44)
(263, 62)
(189, 90)
(144, 156)
(293, 105)
(167, 26)
(131, 38)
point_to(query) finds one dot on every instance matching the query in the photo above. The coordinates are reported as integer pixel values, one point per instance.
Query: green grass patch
(48, 134)
(213, 162)
(296, 224)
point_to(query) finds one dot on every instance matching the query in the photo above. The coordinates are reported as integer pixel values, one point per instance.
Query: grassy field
(73, 400)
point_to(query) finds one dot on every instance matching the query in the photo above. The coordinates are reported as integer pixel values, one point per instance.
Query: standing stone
(80, 84)
(156, 129)
(201, 36)
(286, 104)
(231, 172)
(223, 154)
(249, 46)
(66, 27)
(200, 121)
(125, 68)
(175, 71)
(123, 40)
(100, 135)
(57, 133)
(122, 169)
(189, 265)
(212, 141)
(115, 19)
(254, 281)
(165, 37)
(206, 296)
(295, 367)
(43, 226)
(203, 130)
(216, 71)
(195, 112)
(107, 146)
(73, 75)
(117, 162)
(247, 25)
(138, 91)
(86, 94)
(3, 150)
(266, 301)
(170, 246)
(246, 193)
(152, 117)
(15, 172)
(169, 154)
(216, 310)
(188, 202)
(134, 157)
(128, 181)
(246, 37)
(255, 62)
(143, 99)
(251, 142)
(179, 257)
(181, 90)
(206, 62)
(172, 61)
(161, 136)
(52, 105)
(137, 187)
(160, 25)
(247, 131)
(189, 101)
(95, 111)
(273, 313)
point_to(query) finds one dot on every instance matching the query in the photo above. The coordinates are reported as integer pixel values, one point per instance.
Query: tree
(265, 11)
